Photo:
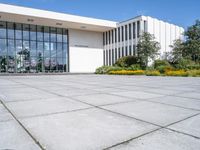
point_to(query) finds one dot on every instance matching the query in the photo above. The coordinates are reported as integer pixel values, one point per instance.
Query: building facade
(122, 41)
(39, 41)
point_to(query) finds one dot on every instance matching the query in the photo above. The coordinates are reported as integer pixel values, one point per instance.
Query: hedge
(127, 72)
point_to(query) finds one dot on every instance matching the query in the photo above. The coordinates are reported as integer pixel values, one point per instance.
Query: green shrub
(152, 73)
(163, 69)
(127, 72)
(184, 64)
(134, 67)
(106, 69)
(158, 63)
(127, 61)
(193, 67)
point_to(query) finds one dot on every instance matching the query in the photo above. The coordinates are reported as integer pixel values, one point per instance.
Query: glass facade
(28, 48)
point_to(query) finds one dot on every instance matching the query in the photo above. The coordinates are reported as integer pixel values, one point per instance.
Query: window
(112, 36)
(3, 50)
(65, 35)
(103, 38)
(10, 28)
(122, 33)
(27, 48)
(109, 37)
(119, 34)
(33, 48)
(26, 32)
(130, 50)
(130, 33)
(53, 34)
(112, 56)
(2, 30)
(134, 50)
(104, 58)
(145, 26)
(126, 50)
(46, 49)
(119, 53)
(122, 51)
(138, 29)
(59, 35)
(115, 35)
(39, 49)
(134, 30)
(40, 34)
(59, 49)
(126, 32)
(46, 34)
(18, 31)
(33, 32)
(115, 54)
(106, 38)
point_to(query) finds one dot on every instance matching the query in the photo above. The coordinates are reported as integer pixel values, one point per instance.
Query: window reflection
(31, 49)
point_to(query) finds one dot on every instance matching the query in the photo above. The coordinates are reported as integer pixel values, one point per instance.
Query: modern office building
(34, 41)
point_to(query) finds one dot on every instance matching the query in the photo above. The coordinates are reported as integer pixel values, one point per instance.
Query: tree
(192, 43)
(147, 48)
(178, 51)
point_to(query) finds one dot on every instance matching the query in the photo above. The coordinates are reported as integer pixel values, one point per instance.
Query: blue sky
(180, 12)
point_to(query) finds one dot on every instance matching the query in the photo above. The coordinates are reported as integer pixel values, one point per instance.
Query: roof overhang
(48, 18)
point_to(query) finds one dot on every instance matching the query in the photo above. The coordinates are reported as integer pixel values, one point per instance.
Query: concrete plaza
(89, 112)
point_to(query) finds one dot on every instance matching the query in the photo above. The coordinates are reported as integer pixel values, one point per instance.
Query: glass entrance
(28, 48)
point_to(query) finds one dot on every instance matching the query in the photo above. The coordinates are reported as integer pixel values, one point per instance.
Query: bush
(163, 69)
(152, 73)
(106, 69)
(184, 64)
(193, 73)
(134, 67)
(127, 61)
(127, 72)
(181, 73)
(158, 63)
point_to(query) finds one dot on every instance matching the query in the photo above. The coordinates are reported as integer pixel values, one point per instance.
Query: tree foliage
(188, 49)
(178, 51)
(192, 44)
(147, 48)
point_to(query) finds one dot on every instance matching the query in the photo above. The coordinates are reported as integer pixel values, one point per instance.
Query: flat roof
(49, 18)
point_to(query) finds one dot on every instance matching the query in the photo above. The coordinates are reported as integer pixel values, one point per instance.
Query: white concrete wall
(165, 33)
(85, 51)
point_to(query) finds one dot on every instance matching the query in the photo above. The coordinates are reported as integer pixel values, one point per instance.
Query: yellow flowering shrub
(152, 73)
(176, 73)
(127, 72)
(193, 73)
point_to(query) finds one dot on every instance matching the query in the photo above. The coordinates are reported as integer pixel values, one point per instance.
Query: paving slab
(13, 137)
(195, 95)
(102, 99)
(44, 106)
(152, 112)
(83, 130)
(161, 140)
(53, 110)
(4, 114)
(138, 94)
(22, 94)
(190, 126)
(179, 101)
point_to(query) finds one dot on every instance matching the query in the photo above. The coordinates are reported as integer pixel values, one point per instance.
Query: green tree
(147, 48)
(178, 51)
(192, 44)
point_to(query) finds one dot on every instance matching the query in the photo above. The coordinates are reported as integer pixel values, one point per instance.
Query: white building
(47, 41)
